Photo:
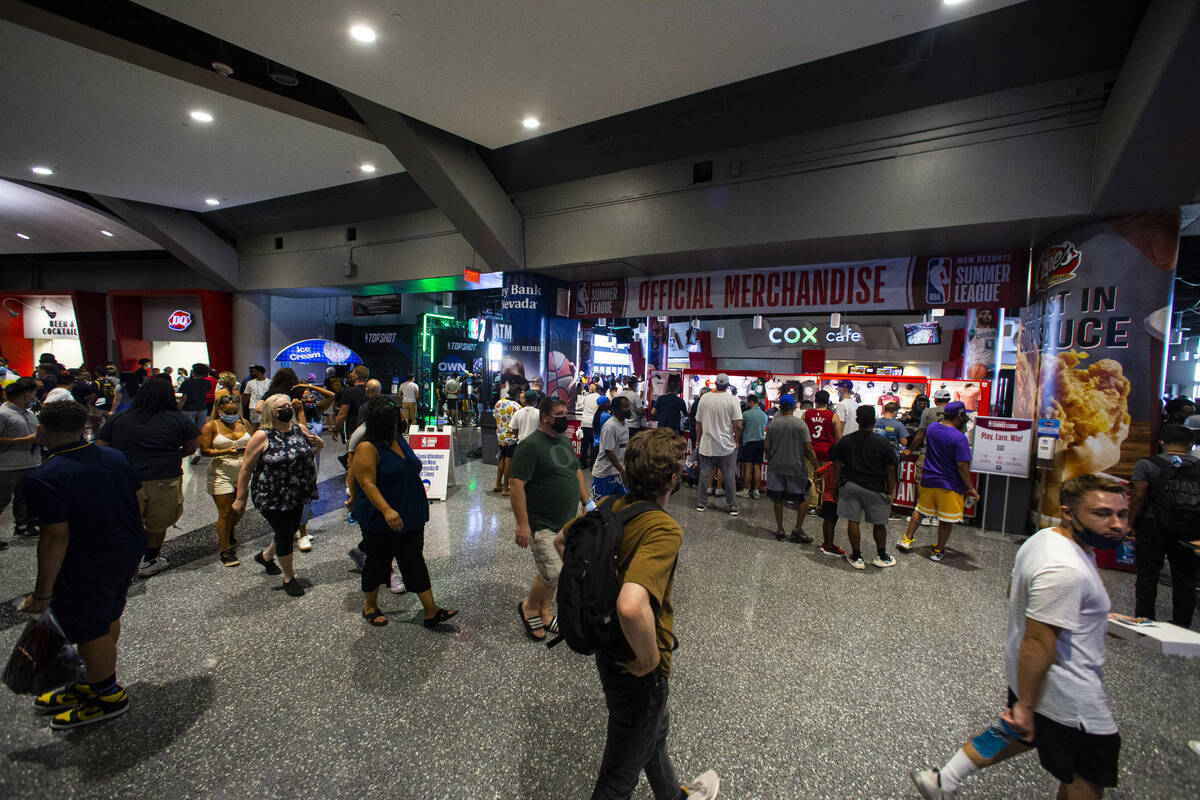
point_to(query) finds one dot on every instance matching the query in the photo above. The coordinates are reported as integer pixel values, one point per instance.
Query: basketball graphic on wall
(559, 374)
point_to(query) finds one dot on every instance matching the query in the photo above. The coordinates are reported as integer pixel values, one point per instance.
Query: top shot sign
(890, 284)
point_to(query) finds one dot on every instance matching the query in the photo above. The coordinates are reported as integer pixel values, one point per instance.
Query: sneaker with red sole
(834, 551)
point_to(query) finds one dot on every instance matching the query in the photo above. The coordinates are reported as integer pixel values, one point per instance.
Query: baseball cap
(787, 400)
(602, 402)
(722, 379)
(531, 396)
(1192, 423)
(845, 383)
(942, 394)
(954, 409)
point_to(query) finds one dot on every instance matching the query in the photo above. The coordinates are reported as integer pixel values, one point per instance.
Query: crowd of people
(101, 491)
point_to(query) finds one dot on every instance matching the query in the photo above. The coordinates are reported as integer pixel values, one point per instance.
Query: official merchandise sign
(434, 451)
(179, 320)
(1002, 446)
(888, 284)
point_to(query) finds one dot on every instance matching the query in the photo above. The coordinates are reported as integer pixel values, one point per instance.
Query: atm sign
(180, 320)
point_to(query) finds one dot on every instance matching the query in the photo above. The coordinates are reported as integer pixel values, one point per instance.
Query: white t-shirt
(257, 391)
(716, 413)
(635, 403)
(409, 392)
(589, 409)
(845, 410)
(1055, 581)
(525, 421)
(58, 394)
(452, 389)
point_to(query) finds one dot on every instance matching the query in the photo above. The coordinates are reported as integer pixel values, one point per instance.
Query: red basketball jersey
(820, 426)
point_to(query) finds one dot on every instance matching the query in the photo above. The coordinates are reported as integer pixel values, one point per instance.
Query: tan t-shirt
(648, 555)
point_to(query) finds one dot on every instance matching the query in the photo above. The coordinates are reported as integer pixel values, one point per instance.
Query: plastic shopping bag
(1127, 553)
(43, 659)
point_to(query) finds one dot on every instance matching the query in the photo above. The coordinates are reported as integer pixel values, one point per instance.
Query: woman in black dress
(392, 510)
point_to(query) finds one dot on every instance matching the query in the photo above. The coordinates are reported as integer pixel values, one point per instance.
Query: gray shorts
(787, 487)
(545, 556)
(855, 502)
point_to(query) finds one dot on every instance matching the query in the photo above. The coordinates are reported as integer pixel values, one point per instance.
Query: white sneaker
(305, 543)
(928, 521)
(396, 584)
(1195, 745)
(148, 568)
(857, 563)
(929, 784)
(905, 545)
(884, 561)
(704, 787)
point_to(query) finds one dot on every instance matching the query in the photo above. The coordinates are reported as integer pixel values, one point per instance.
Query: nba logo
(937, 281)
(581, 300)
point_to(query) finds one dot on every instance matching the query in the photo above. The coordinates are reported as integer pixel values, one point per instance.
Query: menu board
(1002, 446)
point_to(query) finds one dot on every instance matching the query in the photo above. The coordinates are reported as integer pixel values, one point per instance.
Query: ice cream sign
(179, 320)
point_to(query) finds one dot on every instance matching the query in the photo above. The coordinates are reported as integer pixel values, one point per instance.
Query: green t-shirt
(548, 466)
(754, 424)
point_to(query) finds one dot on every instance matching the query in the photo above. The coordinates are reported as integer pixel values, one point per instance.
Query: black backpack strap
(626, 515)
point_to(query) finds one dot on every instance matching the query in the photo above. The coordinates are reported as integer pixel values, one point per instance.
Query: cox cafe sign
(792, 332)
(814, 335)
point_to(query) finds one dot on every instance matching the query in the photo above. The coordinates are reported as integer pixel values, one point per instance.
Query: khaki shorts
(545, 556)
(164, 504)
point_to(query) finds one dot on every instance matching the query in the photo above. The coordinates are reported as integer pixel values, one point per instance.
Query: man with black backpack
(624, 615)
(1165, 513)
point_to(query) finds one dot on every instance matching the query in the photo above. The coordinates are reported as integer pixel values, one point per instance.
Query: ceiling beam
(1146, 154)
(450, 171)
(182, 235)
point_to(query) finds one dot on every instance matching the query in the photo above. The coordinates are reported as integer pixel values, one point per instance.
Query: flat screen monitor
(923, 333)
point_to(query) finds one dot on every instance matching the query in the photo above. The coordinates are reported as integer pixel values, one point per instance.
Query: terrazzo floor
(796, 677)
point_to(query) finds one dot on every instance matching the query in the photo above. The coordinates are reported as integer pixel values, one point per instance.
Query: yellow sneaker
(67, 697)
(97, 708)
(905, 544)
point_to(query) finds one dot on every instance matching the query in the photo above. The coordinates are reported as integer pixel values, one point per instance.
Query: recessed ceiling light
(531, 122)
(952, 2)
(367, 168)
(212, 201)
(201, 116)
(42, 170)
(22, 236)
(106, 233)
(363, 33)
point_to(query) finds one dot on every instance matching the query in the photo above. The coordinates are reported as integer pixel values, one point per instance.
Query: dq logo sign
(179, 320)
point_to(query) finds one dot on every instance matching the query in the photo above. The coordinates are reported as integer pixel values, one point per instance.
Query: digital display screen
(923, 333)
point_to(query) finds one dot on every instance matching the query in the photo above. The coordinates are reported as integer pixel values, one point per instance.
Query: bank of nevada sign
(793, 332)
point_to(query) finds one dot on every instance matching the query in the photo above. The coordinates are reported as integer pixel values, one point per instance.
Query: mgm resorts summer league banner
(890, 284)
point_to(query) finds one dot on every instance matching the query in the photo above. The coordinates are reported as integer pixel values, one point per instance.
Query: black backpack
(1175, 498)
(589, 582)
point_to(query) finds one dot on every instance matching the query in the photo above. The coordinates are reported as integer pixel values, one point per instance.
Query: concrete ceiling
(55, 224)
(106, 126)
(476, 68)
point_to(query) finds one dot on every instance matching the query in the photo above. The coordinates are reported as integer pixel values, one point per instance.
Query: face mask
(3, 371)
(230, 419)
(284, 414)
(1093, 539)
(559, 424)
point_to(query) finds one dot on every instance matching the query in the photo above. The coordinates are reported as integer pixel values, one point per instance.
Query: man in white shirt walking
(410, 394)
(588, 406)
(254, 391)
(1054, 659)
(718, 427)
(527, 418)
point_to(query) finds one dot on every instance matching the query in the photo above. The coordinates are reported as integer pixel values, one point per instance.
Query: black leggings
(406, 548)
(284, 522)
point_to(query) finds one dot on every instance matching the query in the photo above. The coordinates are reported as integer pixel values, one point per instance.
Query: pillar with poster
(1091, 346)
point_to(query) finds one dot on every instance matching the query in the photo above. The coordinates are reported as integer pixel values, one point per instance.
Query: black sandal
(375, 617)
(441, 616)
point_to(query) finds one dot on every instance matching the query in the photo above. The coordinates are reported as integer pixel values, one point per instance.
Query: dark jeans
(638, 721)
(10, 489)
(406, 548)
(586, 445)
(284, 523)
(1153, 548)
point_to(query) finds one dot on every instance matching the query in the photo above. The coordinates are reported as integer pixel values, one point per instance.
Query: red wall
(13, 344)
(91, 319)
(127, 328)
(217, 309)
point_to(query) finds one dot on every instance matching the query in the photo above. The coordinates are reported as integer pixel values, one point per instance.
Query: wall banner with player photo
(1091, 346)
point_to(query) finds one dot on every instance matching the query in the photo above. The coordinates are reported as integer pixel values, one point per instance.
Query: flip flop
(375, 617)
(531, 624)
(553, 626)
(441, 616)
